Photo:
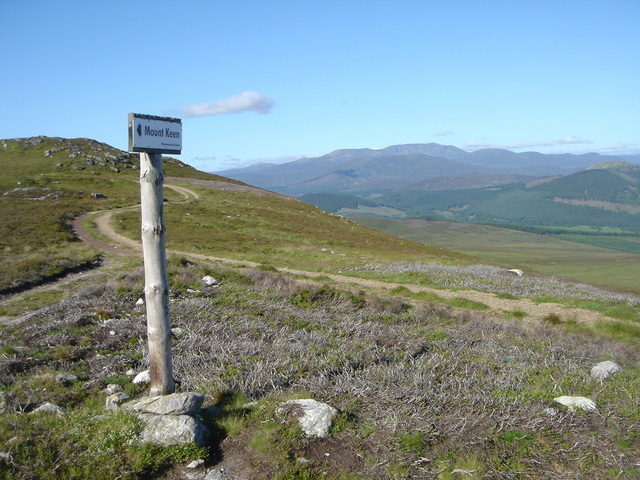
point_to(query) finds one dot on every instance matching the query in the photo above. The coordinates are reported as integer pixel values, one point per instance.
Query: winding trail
(124, 246)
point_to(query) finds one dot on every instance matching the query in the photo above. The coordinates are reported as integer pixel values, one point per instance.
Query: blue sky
(277, 80)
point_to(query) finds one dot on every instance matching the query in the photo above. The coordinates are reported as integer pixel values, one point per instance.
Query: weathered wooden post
(156, 284)
(151, 136)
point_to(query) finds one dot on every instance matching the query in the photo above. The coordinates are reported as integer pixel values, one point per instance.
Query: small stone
(604, 370)
(65, 379)
(51, 408)
(116, 399)
(209, 280)
(214, 475)
(112, 388)
(5, 403)
(142, 377)
(195, 464)
(140, 302)
(315, 418)
(583, 403)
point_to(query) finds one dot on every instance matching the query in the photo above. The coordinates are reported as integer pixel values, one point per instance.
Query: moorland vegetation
(431, 375)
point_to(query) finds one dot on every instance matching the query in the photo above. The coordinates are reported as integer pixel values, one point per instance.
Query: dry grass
(424, 391)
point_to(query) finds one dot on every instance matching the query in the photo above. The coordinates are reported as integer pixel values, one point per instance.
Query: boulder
(173, 430)
(604, 370)
(583, 403)
(315, 418)
(174, 404)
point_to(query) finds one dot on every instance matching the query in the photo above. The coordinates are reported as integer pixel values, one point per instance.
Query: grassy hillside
(46, 182)
(584, 263)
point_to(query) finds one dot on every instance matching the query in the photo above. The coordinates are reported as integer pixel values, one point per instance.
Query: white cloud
(243, 102)
(443, 134)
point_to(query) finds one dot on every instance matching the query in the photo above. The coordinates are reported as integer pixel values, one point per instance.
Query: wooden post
(156, 284)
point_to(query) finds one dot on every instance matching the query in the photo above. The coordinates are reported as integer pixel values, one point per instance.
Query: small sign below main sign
(151, 134)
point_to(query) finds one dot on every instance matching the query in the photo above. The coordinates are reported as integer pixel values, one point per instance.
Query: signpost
(152, 136)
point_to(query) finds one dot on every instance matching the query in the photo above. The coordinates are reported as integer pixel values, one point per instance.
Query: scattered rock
(209, 280)
(195, 464)
(116, 399)
(516, 271)
(140, 302)
(604, 370)
(5, 403)
(214, 475)
(583, 403)
(315, 418)
(66, 379)
(142, 377)
(50, 408)
(112, 388)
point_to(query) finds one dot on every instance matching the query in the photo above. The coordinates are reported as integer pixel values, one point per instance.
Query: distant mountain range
(602, 200)
(428, 166)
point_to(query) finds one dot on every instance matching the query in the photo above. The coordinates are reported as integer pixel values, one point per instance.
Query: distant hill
(374, 171)
(599, 198)
(604, 198)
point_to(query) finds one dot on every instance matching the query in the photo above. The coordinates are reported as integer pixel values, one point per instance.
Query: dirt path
(124, 246)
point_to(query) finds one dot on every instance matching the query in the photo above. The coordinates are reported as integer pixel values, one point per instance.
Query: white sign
(151, 134)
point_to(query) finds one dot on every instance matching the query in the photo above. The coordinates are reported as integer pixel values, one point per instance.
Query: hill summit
(373, 171)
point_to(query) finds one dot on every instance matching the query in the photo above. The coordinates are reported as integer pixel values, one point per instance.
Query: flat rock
(583, 403)
(174, 404)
